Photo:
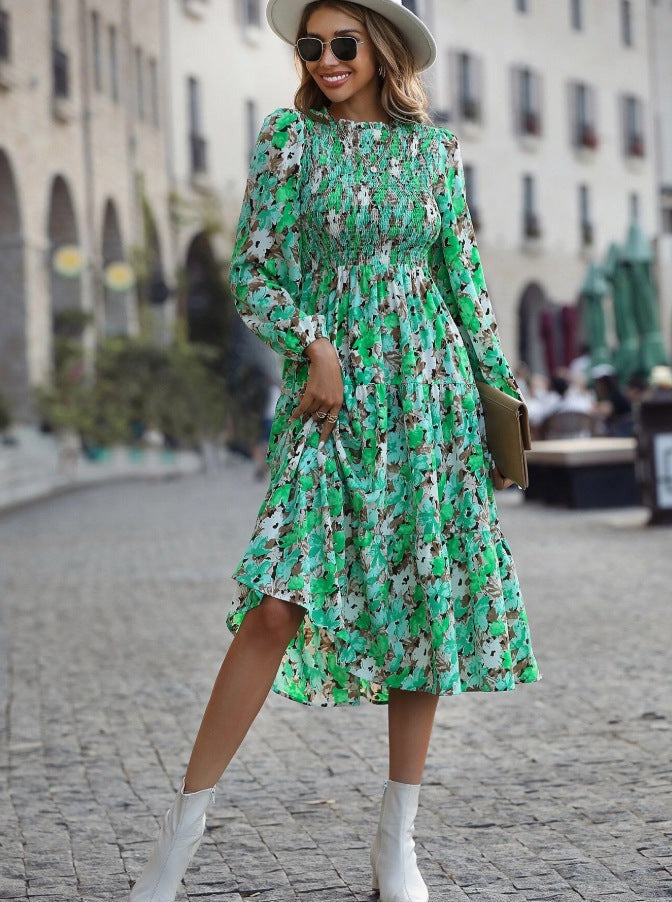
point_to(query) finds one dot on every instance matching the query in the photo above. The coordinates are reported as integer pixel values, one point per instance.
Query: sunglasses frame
(330, 43)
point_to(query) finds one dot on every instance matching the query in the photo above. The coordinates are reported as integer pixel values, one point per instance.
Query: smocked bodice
(367, 195)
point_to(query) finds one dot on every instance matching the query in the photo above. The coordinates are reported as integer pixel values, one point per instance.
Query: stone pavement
(113, 602)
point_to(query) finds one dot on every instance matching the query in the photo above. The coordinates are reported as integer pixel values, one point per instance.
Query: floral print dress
(388, 536)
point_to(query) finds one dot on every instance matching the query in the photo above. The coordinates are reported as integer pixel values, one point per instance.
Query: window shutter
(479, 86)
(516, 99)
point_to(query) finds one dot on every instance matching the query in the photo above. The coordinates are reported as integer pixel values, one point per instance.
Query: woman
(377, 568)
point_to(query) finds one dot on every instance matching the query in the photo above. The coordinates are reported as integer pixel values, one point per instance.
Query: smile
(335, 81)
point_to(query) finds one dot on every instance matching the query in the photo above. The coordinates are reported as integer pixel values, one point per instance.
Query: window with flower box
(527, 91)
(633, 126)
(468, 71)
(583, 116)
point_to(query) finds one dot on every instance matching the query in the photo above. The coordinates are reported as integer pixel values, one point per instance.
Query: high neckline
(355, 123)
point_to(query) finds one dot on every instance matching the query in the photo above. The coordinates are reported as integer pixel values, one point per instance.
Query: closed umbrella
(593, 292)
(626, 356)
(638, 256)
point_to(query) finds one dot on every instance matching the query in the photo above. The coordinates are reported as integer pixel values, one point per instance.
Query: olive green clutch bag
(507, 428)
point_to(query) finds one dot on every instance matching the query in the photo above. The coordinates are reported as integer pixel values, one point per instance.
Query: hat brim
(284, 17)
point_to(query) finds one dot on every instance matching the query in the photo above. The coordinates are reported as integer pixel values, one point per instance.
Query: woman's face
(342, 81)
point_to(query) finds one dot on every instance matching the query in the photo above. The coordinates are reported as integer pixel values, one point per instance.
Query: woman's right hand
(323, 393)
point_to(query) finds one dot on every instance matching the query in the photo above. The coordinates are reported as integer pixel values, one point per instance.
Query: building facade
(552, 104)
(83, 175)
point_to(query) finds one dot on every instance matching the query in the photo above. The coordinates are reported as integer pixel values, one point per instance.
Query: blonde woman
(377, 568)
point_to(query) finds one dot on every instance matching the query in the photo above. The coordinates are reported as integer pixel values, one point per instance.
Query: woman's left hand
(499, 481)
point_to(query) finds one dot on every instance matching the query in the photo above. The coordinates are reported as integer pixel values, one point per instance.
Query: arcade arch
(208, 303)
(116, 303)
(14, 377)
(65, 288)
(531, 351)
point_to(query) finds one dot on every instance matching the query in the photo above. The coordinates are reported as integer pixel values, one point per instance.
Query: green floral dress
(388, 536)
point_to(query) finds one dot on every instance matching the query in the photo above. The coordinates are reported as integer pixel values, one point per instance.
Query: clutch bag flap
(507, 428)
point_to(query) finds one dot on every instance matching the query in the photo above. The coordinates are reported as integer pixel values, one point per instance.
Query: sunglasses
(344, 49)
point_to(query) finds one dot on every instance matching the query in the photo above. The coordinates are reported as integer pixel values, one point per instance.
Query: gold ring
(332, 419)
(321, 414)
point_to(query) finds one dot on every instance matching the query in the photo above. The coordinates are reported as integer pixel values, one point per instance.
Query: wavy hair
(402, 91)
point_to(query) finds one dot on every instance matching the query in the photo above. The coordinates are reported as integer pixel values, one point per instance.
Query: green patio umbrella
(593, 291)
(626, 356)
(638, 256)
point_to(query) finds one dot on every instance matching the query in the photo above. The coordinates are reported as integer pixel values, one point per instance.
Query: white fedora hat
(284, 17)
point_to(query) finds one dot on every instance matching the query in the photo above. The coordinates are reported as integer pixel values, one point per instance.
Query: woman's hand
(499, 481)
(323, 395)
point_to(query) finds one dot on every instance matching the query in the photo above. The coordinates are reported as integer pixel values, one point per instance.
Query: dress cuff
(304, 331)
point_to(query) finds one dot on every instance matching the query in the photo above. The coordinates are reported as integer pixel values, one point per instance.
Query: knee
(277, 621)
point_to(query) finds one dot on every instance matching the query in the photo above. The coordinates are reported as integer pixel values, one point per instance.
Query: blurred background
(126, 128)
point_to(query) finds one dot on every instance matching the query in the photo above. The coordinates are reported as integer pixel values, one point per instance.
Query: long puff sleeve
(266, 268)
(459, 275)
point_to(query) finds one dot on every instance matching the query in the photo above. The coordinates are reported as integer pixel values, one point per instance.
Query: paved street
(113, 604)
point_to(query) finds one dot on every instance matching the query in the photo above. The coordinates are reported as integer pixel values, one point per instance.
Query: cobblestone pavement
(113, 603)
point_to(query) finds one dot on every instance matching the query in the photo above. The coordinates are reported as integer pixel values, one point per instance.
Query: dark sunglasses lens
(344, 49)
(310, 49)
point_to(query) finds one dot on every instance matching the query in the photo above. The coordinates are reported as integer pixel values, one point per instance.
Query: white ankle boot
(393, 861)
(179, 837)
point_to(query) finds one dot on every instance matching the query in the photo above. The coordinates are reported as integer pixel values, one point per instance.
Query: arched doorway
(14, 378)
(116, 300)
(154, 288)
(531, 350)
(208, 303)
(155, 314)
(65, 268)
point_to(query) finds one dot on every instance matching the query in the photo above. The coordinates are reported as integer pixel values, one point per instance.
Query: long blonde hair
(401, 89)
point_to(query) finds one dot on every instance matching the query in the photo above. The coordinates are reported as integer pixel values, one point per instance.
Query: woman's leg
(393, 861)
(242, 685)
(410, 721)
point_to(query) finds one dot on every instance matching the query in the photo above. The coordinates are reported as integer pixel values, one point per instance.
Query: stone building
(83, 175)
